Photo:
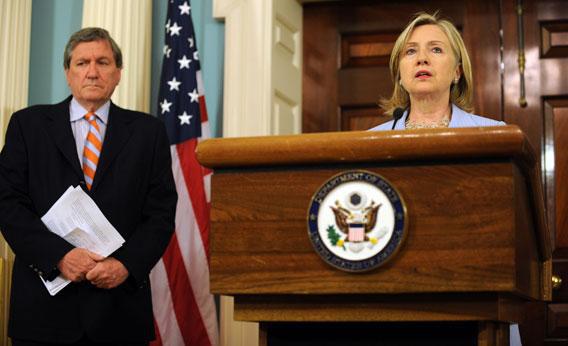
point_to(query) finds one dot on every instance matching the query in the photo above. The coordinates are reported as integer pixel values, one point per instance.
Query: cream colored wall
(262, 92)
(130, 24)
(15, 31)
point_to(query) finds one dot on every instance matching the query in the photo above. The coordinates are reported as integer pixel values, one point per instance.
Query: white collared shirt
(80, 125)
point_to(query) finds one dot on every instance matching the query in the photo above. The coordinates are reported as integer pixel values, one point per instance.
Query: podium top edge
(366, 147)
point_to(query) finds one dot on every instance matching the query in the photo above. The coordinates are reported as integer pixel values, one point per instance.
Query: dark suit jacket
(134, 189)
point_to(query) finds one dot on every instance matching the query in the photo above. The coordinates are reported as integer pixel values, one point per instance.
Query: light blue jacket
(460, 118)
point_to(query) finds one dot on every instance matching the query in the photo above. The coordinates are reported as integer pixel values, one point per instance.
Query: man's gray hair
(90, 35)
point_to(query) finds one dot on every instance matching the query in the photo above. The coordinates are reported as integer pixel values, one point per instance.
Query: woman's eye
(410, 51)
(437, 50)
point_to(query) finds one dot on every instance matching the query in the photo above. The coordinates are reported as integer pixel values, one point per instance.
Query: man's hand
(77, 262)
(108, 273)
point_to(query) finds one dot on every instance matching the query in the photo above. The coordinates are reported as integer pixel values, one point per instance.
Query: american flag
(184, 310)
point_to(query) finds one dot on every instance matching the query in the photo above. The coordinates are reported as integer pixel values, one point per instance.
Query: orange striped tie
(92, 150)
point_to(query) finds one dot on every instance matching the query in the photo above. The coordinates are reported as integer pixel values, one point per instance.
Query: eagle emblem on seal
(355, 221)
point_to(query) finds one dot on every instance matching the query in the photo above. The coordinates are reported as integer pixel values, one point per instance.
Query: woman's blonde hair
(461, 93)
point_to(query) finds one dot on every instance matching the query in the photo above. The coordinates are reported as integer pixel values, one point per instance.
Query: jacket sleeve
(20, 224)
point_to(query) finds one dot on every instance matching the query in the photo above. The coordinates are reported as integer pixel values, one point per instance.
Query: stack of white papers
(76, 218)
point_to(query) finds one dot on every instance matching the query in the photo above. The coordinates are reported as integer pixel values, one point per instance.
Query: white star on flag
(174, 84)
(168, 26)
(190, 40)
(165, 105)
(184, 118)
(195, 55)
(184, 9)
(175, 29)
(193, 95)
(184, 62)
(167, 51)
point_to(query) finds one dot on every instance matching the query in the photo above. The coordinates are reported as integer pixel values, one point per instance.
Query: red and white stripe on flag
(184, 310)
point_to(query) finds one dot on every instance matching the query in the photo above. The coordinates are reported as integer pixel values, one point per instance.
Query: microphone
(397, 114)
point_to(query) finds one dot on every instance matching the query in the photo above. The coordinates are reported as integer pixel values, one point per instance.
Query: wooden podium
(477, 245)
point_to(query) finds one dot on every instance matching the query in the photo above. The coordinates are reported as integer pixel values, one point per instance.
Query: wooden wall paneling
(319, 80)
(544, 122)
(554, 39)
(556, 158)
(360, 117)
(361, 49)
(528, 118)
(481, 20)
(557, 320)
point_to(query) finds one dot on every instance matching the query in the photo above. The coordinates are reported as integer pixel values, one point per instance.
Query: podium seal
(357, 221)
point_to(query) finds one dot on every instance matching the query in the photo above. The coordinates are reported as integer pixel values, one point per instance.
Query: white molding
(286, 68)
(256, 69)
(262, 92)
(130, 25)
(222, 7)
(246, 109)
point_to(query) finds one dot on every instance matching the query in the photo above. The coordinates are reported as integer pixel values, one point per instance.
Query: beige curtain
(15, 28)
(129, 22)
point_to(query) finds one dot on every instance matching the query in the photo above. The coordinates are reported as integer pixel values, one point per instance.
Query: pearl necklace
(411, 125)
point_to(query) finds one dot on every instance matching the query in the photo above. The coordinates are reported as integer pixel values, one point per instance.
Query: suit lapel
(117, 134)
(59, 128)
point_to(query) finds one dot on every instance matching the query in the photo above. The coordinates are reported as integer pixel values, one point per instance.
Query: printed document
(76, 218)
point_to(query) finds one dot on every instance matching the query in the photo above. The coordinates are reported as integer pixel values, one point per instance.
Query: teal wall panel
(53, 21)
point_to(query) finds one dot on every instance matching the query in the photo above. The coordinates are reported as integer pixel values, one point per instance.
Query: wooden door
(347, 46)
(545, 121)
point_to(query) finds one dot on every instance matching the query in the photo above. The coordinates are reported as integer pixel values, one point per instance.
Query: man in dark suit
(131, 181)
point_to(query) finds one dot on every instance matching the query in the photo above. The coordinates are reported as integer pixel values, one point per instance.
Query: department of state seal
(357, 221)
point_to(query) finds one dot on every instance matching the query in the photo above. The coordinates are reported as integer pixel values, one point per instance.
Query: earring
(456, 80)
